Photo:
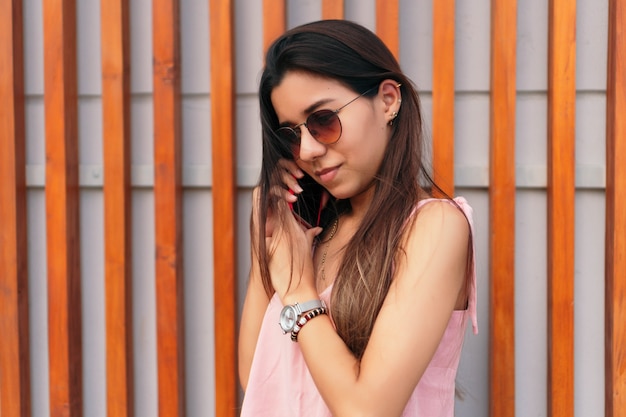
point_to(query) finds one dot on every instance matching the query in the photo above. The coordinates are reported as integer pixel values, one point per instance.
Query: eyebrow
(308, 111)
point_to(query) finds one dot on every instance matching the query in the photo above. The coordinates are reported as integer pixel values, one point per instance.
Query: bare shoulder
(436, 252)
(442, 221)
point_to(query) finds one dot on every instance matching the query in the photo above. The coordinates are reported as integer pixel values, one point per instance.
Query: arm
(409, 326)
(254, 307)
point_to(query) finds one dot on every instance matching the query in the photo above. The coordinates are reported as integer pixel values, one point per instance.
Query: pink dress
(280, 384)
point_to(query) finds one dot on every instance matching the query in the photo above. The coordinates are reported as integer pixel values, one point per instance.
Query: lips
(327, 174)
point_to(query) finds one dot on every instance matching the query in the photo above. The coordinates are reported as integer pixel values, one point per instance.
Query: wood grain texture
(387, 24)
(502, 208)
(561, 190)
(15, 391)
(443, 95)
(332, 9)
(615, 286)
(274, 21)
(62, 214)
(224, 205)
(115, 40)
(168, 207)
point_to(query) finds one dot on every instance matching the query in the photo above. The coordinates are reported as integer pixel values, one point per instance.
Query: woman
(373, 291)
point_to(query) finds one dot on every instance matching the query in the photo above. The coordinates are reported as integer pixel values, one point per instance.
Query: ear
(392, 97)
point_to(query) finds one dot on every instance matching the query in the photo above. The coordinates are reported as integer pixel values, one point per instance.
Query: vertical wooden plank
(223, 113)
(117, 205)
(502, 208)
(14, 327)
(561, 189)
(274, 21)
(615, 288)
(387, 24)
(62, 222)
(332, 9)
(443, 95)
(167, 202)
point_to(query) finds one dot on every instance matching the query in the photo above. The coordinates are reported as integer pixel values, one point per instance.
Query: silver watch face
(288, 317)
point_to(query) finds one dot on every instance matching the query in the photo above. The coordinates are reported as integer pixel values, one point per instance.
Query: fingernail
(297, 189)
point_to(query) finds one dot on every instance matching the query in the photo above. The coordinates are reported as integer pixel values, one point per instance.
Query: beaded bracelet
(304, 319)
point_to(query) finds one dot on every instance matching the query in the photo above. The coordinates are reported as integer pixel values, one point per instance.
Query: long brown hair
(356, 57)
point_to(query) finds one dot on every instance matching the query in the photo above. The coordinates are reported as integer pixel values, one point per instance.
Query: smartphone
(308, 208)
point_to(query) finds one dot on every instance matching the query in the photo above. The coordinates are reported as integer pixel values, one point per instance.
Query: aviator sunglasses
(324, 125)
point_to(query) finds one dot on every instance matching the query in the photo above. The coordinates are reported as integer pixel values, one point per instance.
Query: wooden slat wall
(443, 95)
(332, 9)
(387, 24)
(502, 209)
(168, 207)
(62, 199)
(615, 286)
(15, 398)
(561, 189)
(62, 220)
(115, 44)
(224, 204)
(274, 21)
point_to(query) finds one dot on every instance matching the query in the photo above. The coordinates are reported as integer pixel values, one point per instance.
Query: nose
(310, 148)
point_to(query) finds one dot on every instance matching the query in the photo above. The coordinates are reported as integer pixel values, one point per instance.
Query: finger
(291, 167)
(283, 194)
(312, 233)
(291, 182)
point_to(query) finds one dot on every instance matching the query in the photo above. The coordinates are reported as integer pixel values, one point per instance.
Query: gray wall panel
(531, 303)
(93, 301)
(589, 304)
(144, 304)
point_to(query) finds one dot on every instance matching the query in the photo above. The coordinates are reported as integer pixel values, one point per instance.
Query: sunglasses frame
(297, 133)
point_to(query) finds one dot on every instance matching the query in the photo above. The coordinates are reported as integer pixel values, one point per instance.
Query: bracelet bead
(304, 320)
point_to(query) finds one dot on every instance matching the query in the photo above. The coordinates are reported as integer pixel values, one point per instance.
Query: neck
(360, 203)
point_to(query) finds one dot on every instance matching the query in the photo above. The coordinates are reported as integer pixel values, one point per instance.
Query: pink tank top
(280, 384)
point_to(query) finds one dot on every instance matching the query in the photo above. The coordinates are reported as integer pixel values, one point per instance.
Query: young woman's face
(347, 167)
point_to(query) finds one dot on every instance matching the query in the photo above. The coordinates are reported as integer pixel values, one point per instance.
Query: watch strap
(302, 308)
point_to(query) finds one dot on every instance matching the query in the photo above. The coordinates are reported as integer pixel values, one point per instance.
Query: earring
(393, 117)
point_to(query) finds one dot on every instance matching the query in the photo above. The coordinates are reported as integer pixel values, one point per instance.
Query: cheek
(371, 143)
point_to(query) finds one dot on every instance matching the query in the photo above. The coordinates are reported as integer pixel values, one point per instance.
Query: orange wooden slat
(502, 209)
(168, 207)
(274, 21)
(615, 287)
(387, 24)
(443, 95)
(115, 47)
(62, 202)
(561, 190)
(15, 391)
(224, 204)
(332, 9)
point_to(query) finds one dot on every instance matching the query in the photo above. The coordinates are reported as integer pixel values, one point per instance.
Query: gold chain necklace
(326, 243)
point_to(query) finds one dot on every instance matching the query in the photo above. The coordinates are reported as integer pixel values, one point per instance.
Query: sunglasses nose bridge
(310, 147)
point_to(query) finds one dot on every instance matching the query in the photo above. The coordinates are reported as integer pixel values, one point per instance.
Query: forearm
(336, 373)
(254, 307)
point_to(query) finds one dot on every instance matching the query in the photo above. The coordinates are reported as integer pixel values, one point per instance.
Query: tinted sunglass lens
(290, 138)
(288, 135)
(324, 126)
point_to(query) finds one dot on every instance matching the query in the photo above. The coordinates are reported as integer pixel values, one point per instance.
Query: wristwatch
(290, 314)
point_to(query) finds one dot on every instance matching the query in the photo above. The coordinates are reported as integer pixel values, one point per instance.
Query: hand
(290, 254)
(290, 175)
